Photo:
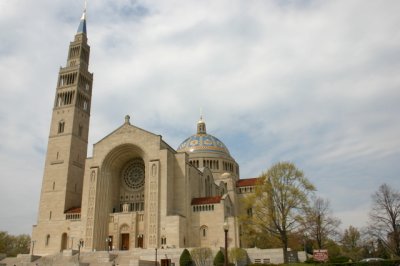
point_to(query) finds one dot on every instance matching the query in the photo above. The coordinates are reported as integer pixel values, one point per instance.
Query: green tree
(333, 248)
(351, 243)
(319, 224)
(236, 255)
(14, 245)
(21, 244)
(201, 256)
(4, 242)
(219, 259)
(280, 198)
(252, 238)
(185, 259)
(384, 218)
(381, 251)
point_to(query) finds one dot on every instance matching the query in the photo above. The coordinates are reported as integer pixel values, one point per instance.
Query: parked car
(371, 259)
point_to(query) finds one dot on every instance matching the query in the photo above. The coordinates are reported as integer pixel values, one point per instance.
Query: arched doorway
(140, 241)
(64, 241)
(124, 233)
(122, 176)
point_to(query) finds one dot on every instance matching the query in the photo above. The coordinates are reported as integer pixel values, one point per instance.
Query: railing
(73, 216)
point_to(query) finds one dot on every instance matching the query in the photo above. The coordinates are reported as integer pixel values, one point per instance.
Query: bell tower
(67, 145)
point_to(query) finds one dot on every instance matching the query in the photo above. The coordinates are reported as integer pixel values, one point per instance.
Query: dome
(203, 142)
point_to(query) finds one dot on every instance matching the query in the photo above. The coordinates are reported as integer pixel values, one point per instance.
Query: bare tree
(280, 197)
(320, 225)
(202, 256)
(384, 218)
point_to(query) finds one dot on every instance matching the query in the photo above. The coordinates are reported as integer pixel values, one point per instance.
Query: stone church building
(135, 191)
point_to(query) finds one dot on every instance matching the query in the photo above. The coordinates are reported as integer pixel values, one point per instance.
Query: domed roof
(203, 142)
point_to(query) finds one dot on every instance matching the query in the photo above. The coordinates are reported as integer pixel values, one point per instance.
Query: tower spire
(82, 23)
(67, 146)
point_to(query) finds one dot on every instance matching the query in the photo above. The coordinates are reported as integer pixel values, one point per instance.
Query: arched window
(203, 231)
(47, 240)
(80, 131)
(59, 101)
(61, 126)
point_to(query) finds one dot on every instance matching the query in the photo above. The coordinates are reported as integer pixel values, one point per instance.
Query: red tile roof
(247, 182)
(74, 210)
(206, 200)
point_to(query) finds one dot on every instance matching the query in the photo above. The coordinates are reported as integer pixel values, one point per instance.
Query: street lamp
(80, 244)
(108, 242)
(226, 229)
(33, 245)
(155, 263)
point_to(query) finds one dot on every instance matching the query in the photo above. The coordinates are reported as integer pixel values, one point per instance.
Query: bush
(185, 259)
(340, 259)
(310, 261)
(219, 259)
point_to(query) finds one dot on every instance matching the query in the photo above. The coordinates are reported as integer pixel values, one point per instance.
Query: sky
(315, 83)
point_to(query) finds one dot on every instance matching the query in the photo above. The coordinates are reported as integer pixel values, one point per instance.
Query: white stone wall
(274, 256)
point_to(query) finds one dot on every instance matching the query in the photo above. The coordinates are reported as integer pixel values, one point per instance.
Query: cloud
(304, 81)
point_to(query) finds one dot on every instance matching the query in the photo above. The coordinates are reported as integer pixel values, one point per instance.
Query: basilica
(135, 191)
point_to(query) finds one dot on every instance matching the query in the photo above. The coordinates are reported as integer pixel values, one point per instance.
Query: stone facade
(135, 191)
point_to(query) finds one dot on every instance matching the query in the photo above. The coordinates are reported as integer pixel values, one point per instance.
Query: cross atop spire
(82, 24)
(201, 114)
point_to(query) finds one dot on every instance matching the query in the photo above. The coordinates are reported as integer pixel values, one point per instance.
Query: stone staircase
(134, 257)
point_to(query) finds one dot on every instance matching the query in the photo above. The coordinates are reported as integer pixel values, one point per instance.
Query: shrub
(340, 259)
(219, 259)
(185, 258)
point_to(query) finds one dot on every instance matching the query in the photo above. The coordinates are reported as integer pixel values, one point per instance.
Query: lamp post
(226, 229)
(155, 262)
(80, 244)
(33, 245)
(108, 242)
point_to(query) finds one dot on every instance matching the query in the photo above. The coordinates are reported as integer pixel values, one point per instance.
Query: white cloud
(311, 82)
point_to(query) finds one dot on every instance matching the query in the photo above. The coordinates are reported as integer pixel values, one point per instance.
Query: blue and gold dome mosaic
(203, 142)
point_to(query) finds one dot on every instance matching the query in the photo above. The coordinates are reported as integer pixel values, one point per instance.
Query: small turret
(201, 126)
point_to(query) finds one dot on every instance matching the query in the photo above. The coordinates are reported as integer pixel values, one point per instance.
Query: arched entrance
(140, 241)
(64, 241)
(124, 233)
(122, 176)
